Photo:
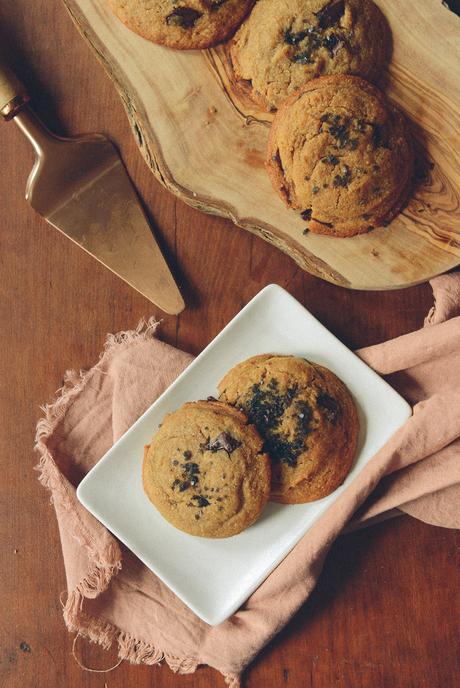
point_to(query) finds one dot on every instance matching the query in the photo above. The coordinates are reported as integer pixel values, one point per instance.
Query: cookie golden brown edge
(206, 471)
(307, 418)
(342, 154)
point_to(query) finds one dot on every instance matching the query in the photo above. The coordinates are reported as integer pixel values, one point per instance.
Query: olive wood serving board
(204, 141)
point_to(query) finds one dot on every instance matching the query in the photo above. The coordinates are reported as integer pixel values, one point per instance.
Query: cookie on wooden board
(205, 470)
(283, 45)
(182, 24)
(342, 154)
(307, 418)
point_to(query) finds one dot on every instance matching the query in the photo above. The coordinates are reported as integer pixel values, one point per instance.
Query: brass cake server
(80, 186)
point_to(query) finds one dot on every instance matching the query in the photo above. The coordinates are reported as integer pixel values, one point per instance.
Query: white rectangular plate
(215, 577)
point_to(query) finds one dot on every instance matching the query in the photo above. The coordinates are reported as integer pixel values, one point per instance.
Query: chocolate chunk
(224, 442)
(329, 406)
(287, 448)
(331, 14)
(330, 160)
(303, 57)
(343, 178)
(333, 43)
(201, 501)
(187, 454)
(315, 189)
(185, 17)
(306, 214)
(306, 42)
(295, 38)
(191, 468)
(265, 408)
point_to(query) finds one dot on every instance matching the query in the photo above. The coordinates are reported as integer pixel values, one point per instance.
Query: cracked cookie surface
(182, 24)
(283, 45)
(307, 418)
(342, 155)
(205, 470)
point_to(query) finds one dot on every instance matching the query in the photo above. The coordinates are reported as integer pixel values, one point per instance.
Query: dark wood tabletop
(383, 613)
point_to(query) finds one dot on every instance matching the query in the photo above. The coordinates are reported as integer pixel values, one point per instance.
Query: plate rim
(228, 609)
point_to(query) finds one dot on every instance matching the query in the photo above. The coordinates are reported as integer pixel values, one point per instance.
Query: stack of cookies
(283, 428)
(339, 153)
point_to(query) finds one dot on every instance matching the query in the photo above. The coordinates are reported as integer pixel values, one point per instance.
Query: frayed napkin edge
(100, 573)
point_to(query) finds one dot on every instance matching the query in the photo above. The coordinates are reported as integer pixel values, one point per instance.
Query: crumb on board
(211, 112)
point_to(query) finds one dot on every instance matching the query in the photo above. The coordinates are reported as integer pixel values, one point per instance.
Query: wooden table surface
(383, 612)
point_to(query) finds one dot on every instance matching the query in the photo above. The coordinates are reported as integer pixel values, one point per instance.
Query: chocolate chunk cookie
(341, 154)
(206, 471)
(307, 418)
(183, 24)
(283, 45)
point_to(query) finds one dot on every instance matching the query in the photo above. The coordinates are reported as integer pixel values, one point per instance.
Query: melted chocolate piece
(329, 406)
(265, 408)
(190, 472)
(185, 17)
(331, 14)
(343, 178)
(330, 160)
(306, 214)
(333, 43)
(223, 442)
(309, 41)
(340, 132)
(201, 501)
(295, 38)
(303, 57)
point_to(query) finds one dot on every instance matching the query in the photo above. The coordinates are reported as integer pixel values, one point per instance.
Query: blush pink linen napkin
(113, 598)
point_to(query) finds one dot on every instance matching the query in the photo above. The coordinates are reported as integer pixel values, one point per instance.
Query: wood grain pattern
(206, 143)
(383, 614)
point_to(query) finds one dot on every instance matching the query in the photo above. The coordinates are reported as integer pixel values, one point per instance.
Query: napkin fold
(114, 598)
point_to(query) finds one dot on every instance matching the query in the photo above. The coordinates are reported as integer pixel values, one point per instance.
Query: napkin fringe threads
(103, 565)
